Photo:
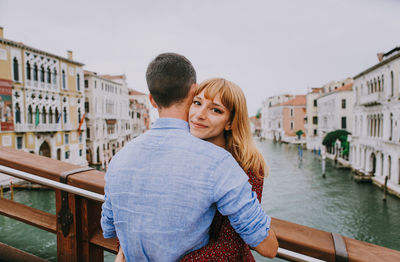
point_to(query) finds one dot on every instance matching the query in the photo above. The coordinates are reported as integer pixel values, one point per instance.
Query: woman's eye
(196, 103)
(216, 110)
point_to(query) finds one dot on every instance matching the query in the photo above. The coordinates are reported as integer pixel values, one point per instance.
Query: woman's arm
(269, 246)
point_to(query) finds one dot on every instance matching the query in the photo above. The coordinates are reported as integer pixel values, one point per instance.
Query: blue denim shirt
(163, 188)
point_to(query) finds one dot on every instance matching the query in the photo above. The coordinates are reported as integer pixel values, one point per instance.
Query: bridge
(79, 195)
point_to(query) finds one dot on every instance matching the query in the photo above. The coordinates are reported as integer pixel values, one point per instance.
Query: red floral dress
(225, 244)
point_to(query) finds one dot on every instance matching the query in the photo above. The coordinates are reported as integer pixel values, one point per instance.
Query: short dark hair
(169, 78)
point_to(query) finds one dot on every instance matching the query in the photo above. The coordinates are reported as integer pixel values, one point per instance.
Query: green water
(294, 191)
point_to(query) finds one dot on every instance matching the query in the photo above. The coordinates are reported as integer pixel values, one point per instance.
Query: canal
(294, 191)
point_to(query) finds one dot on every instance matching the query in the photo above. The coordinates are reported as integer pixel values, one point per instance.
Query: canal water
(294, 191)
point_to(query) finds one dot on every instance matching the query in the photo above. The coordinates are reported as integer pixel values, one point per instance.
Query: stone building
(375, 148)
(41, 102)
(107, 116)
(271, 118)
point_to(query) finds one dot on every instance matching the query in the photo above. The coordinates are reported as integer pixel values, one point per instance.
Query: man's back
(161, 189)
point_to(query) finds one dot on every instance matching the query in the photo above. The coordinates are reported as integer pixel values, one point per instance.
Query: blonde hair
(239, 140)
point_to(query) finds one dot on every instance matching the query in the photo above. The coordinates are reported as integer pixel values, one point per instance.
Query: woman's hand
(120, 256)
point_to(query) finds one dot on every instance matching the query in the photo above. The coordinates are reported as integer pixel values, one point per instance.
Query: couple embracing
(189, 189)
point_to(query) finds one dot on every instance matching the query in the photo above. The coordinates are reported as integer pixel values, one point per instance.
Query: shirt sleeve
(236, 200)
(107, 218)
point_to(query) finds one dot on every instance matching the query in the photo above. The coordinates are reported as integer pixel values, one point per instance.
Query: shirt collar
(170, 123)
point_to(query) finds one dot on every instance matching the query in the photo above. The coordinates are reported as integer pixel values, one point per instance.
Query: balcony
(371, 99)
(37, 128)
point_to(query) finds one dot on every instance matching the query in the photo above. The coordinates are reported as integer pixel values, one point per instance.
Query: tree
(299, 133)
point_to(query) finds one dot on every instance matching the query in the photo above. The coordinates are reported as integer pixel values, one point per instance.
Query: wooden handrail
(86, 239)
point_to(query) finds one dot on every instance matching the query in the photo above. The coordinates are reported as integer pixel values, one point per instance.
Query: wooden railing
(77, 219)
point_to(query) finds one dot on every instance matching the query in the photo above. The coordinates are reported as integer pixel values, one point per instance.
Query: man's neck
(179, 112)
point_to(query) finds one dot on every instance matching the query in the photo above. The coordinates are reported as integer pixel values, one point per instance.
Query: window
(88, 132)
(315, 132)
(28, 71)
(87, 106)
(291, 125)
(344, 126)
(78, 82)
(30, 120)
(44, 115)
(66, 139)
(15, 69)
(79, 114)
(57, 116)
(138, 115)
(80, 152)
(65, 115)
(55, 76)
(48, 75)
(95, 84)
(86, 83)
(20, 142)
(17, 113)
(50, 116)
(42, 74)
(35, 72)
(315, 102)
(67, 154)
(391, 127)
(315, 120)
(391, 83)
(291, 112)
(80, 137)
(64, 84)
(343, 103)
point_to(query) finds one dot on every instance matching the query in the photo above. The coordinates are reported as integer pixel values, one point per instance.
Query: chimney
(69, 54)
(1, 32)
(380, 56)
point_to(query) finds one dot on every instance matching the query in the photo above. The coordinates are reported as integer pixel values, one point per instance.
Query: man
(163, 188)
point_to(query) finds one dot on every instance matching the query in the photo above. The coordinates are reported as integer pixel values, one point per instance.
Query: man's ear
(153, 103)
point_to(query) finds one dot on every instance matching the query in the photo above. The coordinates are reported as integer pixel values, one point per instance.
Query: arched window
(44, 115)
(64, 84)
(50, 116)
(78, 82)
(379, 84)
(391, 83)
(54, 76)
(28, 71)
(42, 74)
(29, 115)
(375, 85)
(57, 116)
(17, 113)
(15, 67)
(383, 85)
(65, 115)
(391, 127)
(48, 75)
(37, 115)
(35, 72)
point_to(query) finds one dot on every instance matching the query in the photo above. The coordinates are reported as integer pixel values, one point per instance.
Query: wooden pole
(385, 188)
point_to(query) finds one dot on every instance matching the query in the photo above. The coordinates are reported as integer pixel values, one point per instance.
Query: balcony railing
(79, 196)
(37, 128)
(371, 99)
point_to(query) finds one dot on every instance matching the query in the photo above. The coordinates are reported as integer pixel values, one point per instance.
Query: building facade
(107, 117)
(311, 119)
(293, 114)
(42, 102)
(376, 137)
(271, 117)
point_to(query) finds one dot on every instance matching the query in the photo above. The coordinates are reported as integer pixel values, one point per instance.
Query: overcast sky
(266, 47)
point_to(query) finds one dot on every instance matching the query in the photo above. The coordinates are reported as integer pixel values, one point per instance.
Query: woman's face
(208, 119)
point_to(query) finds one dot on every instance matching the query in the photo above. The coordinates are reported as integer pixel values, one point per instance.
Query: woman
(218, 114)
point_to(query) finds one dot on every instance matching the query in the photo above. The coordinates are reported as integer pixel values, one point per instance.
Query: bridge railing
(79, 195)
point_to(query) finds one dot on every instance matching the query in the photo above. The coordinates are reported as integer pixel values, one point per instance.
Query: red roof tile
(299, 100)
(348, 87)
